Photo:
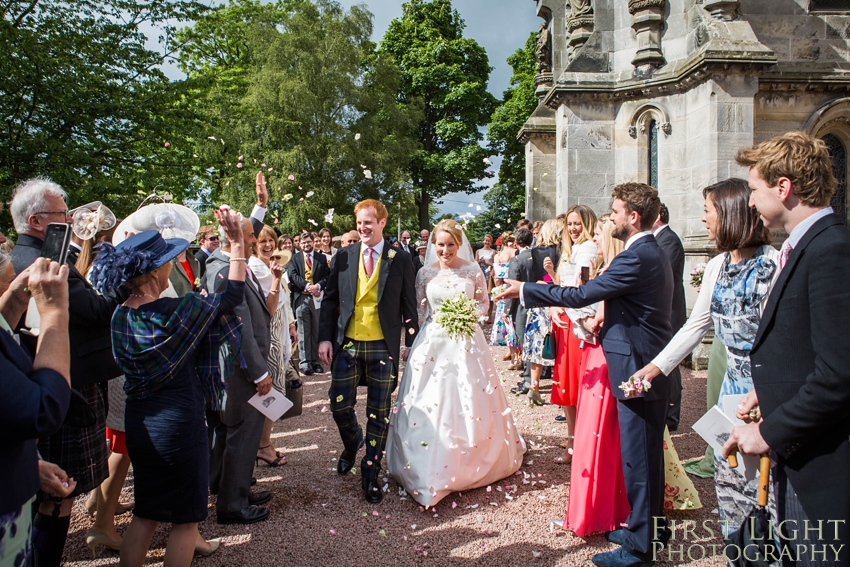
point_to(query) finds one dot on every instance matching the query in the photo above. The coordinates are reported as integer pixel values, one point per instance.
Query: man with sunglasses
(208, 240)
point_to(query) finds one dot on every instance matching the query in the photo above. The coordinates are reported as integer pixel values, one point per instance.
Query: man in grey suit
(671, 244)
(235, 431)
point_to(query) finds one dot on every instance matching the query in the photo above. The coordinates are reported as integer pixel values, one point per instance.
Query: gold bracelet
(238, 259)
(274, 291)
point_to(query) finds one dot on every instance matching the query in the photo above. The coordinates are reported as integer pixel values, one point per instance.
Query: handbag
(294, 391)
(548, 347)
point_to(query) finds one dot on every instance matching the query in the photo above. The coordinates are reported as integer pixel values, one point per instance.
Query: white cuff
(264, 376)
(521, 294)
(258, 213)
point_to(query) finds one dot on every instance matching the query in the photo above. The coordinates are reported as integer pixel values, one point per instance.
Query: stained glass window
(652, 146)
(838, 153)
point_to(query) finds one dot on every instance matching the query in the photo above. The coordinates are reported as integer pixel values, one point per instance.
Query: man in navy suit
(800, 356)
(636, 288)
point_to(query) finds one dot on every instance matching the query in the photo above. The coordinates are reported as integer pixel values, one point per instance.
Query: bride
(450, 428)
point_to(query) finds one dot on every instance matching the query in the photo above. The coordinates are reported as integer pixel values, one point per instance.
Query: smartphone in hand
(56, 242)
(585, 274)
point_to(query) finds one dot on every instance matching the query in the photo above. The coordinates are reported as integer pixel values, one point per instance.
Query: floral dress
(537, 327)
(735, 310)
(503, 332)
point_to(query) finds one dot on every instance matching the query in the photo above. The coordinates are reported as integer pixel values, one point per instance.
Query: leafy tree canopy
(447, 73)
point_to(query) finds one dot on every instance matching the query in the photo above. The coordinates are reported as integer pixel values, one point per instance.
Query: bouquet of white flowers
(458, 316)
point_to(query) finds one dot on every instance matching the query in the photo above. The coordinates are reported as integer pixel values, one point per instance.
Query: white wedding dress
(450, 428)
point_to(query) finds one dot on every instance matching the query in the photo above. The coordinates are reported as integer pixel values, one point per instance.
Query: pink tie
(784, 252)
(309, 258)
(368, 262)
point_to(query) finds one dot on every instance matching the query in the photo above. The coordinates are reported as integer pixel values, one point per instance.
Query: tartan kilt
(80, 451)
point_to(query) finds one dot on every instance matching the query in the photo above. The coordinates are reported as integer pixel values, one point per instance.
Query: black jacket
(672, 246)
(297, 283)
(801, 372)
(201, 256)
(89, 321)
(397, 309)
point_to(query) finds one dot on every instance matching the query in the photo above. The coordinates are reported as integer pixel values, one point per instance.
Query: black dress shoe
(307, 371)
(256, 498)
(249, 515)
(317, 368)
(372, 490)
(346, 459)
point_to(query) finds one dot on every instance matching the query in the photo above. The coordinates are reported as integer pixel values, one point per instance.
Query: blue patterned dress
(736, 313)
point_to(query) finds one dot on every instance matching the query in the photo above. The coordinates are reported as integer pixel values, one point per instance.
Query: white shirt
(801, 229)
(659, 229)
(635, 237)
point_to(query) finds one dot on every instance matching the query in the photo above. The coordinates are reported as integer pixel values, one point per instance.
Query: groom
(370, 300)
(636, 288)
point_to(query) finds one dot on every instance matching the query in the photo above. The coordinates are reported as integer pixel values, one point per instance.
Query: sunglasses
(213, 238)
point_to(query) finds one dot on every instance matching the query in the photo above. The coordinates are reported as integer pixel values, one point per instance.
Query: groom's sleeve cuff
(522, 294)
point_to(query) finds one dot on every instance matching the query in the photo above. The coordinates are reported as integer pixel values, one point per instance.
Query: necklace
(143, 295)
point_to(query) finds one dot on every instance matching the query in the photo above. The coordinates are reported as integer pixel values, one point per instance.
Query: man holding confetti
(370, 300)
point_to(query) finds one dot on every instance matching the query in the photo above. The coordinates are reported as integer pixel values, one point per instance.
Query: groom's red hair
(380, 209)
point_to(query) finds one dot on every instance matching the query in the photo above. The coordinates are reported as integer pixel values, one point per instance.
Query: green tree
(295, 89)
(506, 199)
(448, 73)
(84, 100)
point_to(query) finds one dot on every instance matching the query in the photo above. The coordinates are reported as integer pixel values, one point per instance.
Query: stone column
(647, 21)
(538, 135)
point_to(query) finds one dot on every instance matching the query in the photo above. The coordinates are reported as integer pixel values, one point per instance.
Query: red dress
(597, 500)
(566, 373)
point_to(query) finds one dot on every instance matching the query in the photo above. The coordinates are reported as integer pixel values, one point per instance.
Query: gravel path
(320, 519)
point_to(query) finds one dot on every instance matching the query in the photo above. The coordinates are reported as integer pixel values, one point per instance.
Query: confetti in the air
(239, 165)
(167, 145)
(357, 136)
(311, 221)
(292, 178)
(329, 218)
(487, 161)
(367, 174)
(309, 194)
(287, 197)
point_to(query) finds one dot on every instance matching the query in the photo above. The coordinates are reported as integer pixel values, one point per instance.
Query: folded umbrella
(752, 543)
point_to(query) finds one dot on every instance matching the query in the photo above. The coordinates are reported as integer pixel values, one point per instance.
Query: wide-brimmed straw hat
(282, 256)
(170, 220)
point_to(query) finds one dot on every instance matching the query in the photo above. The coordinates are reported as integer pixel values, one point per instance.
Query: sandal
(280, 460)
(567, 457)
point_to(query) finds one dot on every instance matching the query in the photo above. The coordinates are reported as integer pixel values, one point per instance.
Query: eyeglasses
(212, 238)
(64, 213)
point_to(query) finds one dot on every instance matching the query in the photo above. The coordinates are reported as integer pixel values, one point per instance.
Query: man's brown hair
(380, 209)
(799, 157)
(641, 199)
(204, 230)
(738, 225)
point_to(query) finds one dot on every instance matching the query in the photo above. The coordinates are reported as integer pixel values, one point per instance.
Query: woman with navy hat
(168, 349)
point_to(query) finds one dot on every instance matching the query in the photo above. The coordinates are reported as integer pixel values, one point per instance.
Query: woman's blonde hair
(550, 233)
(588, 223)
(610, 246)
(450, 226)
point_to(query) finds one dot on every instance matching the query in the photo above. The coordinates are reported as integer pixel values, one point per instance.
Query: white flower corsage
(391, 254)
(635, 386)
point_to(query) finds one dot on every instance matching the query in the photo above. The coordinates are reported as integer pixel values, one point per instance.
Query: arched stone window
(838, 154)
(645, 126)
(831, 123)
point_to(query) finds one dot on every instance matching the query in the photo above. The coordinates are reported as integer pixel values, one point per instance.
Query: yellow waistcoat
(365, 325)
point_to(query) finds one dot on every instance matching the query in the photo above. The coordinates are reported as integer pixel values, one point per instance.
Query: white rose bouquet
(458, 316)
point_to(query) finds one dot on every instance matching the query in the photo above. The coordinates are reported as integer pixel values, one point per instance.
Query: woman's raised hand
(230, 223)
